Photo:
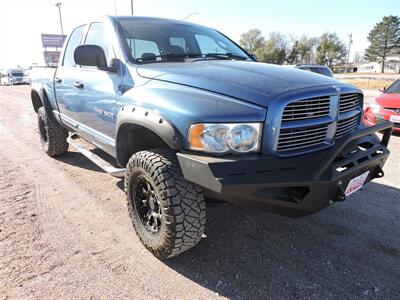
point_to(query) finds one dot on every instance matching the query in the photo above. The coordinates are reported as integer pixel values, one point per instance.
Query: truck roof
(152, 20)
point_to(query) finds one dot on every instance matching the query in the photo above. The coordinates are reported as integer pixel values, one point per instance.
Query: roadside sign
(51, 57)
(53, 40)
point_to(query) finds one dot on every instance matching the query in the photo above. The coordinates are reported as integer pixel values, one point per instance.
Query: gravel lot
(65, 233)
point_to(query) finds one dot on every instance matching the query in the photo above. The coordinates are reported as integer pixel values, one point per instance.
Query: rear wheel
(52, 136)
(167, 211)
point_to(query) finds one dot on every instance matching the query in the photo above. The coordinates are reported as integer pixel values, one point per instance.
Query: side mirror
(382, 90)
(92, 56)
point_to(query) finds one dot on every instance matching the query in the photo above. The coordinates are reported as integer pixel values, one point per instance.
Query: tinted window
(325, 71)
(394, 88)
(178, 41)
(139, 47)
(97, 36)
(73, 42)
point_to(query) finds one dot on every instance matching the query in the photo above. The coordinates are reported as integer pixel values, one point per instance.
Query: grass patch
(369, 84)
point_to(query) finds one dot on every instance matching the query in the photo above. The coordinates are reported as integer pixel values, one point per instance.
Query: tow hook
(378, 173)
(341, 195)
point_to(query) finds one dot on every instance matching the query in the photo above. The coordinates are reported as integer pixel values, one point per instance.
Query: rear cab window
(141, 48)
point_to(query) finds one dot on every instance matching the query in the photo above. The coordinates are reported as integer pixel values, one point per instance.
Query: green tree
(293, 56)
(260, 54)
(252, 40)
(306, 49)
(302, 50)
(275, 48)
(330, 50)
(384, 40)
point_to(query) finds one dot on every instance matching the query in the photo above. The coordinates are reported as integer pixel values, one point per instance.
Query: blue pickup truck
(188, 114)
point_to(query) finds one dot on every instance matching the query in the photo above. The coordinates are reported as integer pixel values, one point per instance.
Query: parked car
(13, 77)
(319, 69)
(385, 107)
(187, 113)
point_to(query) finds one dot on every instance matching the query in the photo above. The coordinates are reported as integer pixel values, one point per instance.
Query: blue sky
(20, 43)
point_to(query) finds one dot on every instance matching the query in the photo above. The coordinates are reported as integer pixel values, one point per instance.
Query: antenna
(115, 8)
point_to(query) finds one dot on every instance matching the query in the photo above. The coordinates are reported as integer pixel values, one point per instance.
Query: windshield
(150, 41)
(17, 74)
(394, 88)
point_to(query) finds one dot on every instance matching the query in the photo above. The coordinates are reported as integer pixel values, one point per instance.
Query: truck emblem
(338, 89)
(104, 113)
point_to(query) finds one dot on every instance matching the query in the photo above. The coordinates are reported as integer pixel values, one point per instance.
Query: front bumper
(370, 118)
(294, 186)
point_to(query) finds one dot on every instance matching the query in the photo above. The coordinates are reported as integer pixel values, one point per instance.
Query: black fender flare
(42, 96)
(133, 115)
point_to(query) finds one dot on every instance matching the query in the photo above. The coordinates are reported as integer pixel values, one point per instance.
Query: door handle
(58, 80)
(78, 84)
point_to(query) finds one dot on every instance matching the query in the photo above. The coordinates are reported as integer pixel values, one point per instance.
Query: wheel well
(36, 101)
(132, 138)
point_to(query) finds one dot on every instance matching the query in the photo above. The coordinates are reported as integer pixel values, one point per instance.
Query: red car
(385, 107)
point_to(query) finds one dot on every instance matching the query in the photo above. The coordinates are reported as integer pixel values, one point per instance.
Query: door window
(97, 36)
(74, 41)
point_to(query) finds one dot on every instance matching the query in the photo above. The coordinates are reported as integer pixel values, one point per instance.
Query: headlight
(221, 138)
(374, 106)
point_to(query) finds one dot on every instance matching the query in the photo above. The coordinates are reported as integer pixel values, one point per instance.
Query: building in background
(392, 65)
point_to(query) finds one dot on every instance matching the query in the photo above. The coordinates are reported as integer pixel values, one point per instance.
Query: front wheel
(52, 136)
(167, 211)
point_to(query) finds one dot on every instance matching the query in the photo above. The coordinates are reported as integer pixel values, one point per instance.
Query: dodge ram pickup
(186, 114)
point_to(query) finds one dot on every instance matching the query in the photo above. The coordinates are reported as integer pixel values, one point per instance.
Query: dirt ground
(65, 233)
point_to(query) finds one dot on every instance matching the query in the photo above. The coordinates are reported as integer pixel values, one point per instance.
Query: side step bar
(106, 166)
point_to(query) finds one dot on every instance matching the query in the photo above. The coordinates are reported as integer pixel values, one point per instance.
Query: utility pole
(348, 53)
(132, 7)
(58, 4)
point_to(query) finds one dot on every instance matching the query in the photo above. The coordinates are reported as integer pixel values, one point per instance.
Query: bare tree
(252, 40)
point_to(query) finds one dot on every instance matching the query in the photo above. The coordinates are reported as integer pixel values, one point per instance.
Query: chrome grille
(307, 109)
(298, 138)
(396, 110)
(346, 126)
(349, 102)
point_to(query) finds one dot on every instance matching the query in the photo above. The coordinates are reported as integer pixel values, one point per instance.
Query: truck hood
(257, 83)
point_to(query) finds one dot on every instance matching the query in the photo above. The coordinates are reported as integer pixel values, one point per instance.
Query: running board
(97, 160)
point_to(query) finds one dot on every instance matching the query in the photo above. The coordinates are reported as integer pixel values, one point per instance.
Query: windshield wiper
(227, 55)
(183, 56)
(168, 57)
